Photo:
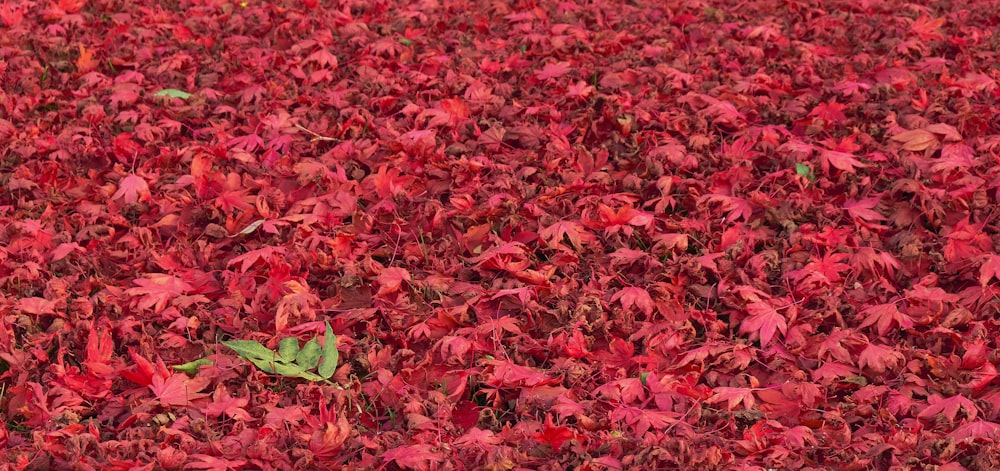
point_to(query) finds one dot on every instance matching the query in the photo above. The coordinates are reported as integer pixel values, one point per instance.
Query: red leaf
(412, 456)
(863, 209)
(178, 389)
(975, 430)
(157, 289)
(884, 316)
(571, 230)
(840, 161)
(225, 404)
(478, 438)
(100, 348)
(554, 70)
(764, 321)
(391, 279)
(733, 397)
(212, 463)
(949, 407)
(831, 112)
(643, 419)
(633, 296)
(879, 357)
(989, 270)
(552, 435)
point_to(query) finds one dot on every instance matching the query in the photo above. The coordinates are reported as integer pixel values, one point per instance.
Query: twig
(317, 136)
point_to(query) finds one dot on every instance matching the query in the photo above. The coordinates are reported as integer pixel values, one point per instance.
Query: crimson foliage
(548, 235)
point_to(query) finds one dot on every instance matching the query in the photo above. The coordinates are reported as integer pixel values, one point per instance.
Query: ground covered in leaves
(544, 235)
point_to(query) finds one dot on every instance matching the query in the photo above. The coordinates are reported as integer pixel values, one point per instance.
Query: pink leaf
(132, 189)
(554, 70)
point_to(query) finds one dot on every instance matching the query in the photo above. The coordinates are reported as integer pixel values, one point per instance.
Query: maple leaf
(879, 357)
(949, 407)
(249, 259)
(737, 207)
(954, 156)
(391, 279)
(643, 419)
(863, 209)
(839, 160)
(328, 441)
(927, 28)
(552, 435)
(412, 456)
(733, 397)
(157, 289)
(553, 70)
(508, 374)
(883, 316)
(613, 221)
(764, 321)
(990, 269)
(36, 306)
(100, 348)
(830, 112)
(178, 389)
(225, 404)
(577, 235)
(132, 189)
(322, 58)
(85, 63)
(213, 463)
(476, 437)
(634, 296)
(916, 140)
(977, 429)
(830, 371)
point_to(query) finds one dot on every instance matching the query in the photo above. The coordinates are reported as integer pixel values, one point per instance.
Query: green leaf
(252, 350)
(173, 93)
(405, 41)
(288, 349)
(308, 357)
(643, 376)
(804, 171)
(330, 354)
(191, 367)
(267, 366)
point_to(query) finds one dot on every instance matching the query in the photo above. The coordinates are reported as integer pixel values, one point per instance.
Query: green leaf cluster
(310, 362)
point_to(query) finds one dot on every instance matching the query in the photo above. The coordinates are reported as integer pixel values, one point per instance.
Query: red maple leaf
(552, 435)
(830, 112)
(878, 358)
(949, 407)
(989, 270)
(733, 397)
(634, 296)
(575, 232)
(225, 404)
(157, 289)
(553, 70)
(178, 389)
(884, 316)
(764, 321)
(412, 456)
